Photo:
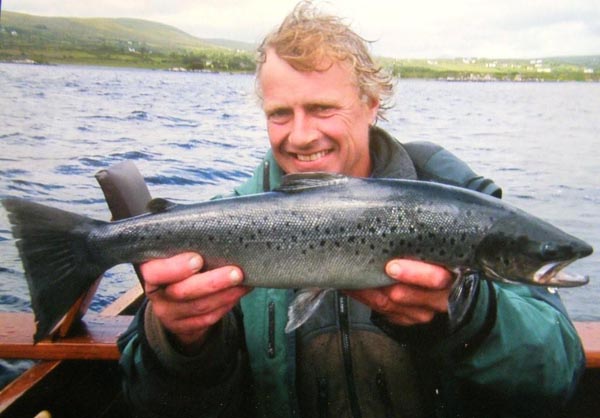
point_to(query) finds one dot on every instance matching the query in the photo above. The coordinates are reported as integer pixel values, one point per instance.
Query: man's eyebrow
(275, 108)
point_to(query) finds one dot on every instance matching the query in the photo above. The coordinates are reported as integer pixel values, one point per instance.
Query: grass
(141, 43)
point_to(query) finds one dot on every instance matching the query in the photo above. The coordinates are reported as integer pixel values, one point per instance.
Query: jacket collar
(390, 159)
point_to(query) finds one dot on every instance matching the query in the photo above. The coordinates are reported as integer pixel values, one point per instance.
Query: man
(204, 345)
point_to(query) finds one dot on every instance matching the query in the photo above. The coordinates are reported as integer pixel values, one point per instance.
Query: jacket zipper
(342, 302)
(384, 394)
(323, 397)
(271, 330)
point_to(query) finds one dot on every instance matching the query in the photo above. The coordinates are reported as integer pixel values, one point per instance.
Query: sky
(398, 28)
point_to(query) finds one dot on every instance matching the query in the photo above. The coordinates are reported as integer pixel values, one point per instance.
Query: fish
(317, 230)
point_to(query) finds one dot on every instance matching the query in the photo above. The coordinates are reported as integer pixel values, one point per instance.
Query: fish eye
(549, 250)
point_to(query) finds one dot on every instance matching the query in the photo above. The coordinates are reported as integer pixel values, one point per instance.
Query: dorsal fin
(159, 205)
(298, 182)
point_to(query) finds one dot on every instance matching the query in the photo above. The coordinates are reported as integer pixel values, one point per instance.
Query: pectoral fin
(303, 306)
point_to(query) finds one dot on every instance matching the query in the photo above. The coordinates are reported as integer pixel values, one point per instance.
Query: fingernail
(195, 262)
(235, 276)
(394, 269)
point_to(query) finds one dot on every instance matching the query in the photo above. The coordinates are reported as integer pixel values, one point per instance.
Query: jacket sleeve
(158, 381)
(518, 352)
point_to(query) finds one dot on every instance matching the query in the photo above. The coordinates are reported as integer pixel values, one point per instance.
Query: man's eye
(322, 110)
(279, 116)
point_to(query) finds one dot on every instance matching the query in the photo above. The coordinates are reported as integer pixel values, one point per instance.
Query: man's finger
(205, 283)
(165, 271)
(419, 273)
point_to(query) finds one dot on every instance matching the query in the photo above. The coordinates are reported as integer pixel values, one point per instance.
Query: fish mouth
(552, 274)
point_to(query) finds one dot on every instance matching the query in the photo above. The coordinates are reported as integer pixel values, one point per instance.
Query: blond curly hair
(309, 40)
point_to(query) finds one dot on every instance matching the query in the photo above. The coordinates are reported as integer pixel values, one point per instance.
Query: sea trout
(317, 230)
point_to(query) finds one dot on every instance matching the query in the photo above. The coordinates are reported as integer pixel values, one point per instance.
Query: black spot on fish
(322, 243)
(351, 238)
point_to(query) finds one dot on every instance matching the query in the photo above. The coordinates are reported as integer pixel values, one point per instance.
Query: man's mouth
(311, 157)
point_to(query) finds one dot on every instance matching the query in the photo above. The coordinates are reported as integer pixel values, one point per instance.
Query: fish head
(528, 250)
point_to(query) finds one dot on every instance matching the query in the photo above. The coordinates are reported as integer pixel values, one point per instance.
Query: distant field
(141, 43)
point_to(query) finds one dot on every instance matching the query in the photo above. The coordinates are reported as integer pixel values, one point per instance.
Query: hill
(115, 41)
(142, 43)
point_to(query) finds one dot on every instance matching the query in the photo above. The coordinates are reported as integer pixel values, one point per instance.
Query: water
(194, 135)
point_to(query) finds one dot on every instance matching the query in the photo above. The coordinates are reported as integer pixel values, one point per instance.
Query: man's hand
(189, 303)
(422, 292)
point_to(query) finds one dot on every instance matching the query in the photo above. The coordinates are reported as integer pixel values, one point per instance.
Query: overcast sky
(403, 29)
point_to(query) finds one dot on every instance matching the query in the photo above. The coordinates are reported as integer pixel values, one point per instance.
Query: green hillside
(141, 43)
(129, 42)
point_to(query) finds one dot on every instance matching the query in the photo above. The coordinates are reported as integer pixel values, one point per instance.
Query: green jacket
(515, 354)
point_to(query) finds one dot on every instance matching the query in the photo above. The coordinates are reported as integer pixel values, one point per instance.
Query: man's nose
(303, 130)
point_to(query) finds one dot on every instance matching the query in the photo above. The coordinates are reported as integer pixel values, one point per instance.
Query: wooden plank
(125, 302)
(78, 310)
(95, 338)
(29, 378)
(589, 332)
(73, 388)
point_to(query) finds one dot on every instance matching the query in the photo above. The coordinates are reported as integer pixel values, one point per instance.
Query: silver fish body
(317, 230)
(341, 235)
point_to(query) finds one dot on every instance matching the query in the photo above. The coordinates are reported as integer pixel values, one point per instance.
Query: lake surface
(194, 135)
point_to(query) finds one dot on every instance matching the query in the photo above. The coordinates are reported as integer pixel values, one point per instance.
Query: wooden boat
(77, 374)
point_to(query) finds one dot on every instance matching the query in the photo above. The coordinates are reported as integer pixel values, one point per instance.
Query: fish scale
(317, 230)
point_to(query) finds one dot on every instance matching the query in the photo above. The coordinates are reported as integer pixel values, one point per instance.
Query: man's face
(316, 120)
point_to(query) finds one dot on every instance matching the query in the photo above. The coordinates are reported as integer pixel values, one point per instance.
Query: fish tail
(58, 266)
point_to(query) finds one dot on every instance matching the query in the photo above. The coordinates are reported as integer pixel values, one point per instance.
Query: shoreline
(466, 77)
